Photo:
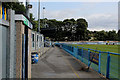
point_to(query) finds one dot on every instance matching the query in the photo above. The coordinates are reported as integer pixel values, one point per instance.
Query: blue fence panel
(108, 66)
(99, 64)
(103, 63)
(80, 52)
(85, 56)
(75, 50)
(114, 66)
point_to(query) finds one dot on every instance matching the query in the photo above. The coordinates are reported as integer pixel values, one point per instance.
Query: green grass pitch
(105, 48)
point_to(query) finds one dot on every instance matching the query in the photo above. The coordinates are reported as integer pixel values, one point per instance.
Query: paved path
(57, 63)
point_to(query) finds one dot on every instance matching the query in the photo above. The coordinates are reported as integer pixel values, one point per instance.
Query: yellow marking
(71, 68)
(74, 70)
(5, 14)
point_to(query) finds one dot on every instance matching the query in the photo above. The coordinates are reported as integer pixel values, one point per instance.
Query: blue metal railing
(105, 63)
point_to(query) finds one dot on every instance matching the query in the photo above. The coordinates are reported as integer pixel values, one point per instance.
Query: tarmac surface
(56, 63)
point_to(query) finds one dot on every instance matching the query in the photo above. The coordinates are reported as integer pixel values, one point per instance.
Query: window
(32, 37)
(33, 40)
(41, 38)
(37, 41)
(37, 38)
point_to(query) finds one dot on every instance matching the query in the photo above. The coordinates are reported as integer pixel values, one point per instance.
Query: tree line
(74, 30)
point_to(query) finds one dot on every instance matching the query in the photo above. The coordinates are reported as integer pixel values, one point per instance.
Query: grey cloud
(103, 22)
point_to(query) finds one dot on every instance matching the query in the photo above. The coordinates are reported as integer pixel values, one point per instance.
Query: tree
(106, 35)
(118, 35)
(112, 35)
(17, 6)
(81, 29)
(68, 29)
(31, 17)
(101, 35)
(35, 27)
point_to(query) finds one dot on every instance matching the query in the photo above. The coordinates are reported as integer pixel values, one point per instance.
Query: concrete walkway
(56, 63)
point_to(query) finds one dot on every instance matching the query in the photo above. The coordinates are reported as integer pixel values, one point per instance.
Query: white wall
(37, 44)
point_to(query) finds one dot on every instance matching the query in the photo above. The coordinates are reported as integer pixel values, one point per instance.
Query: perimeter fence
(105, 63)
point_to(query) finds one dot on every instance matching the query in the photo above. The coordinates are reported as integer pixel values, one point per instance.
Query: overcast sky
(99, 15)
